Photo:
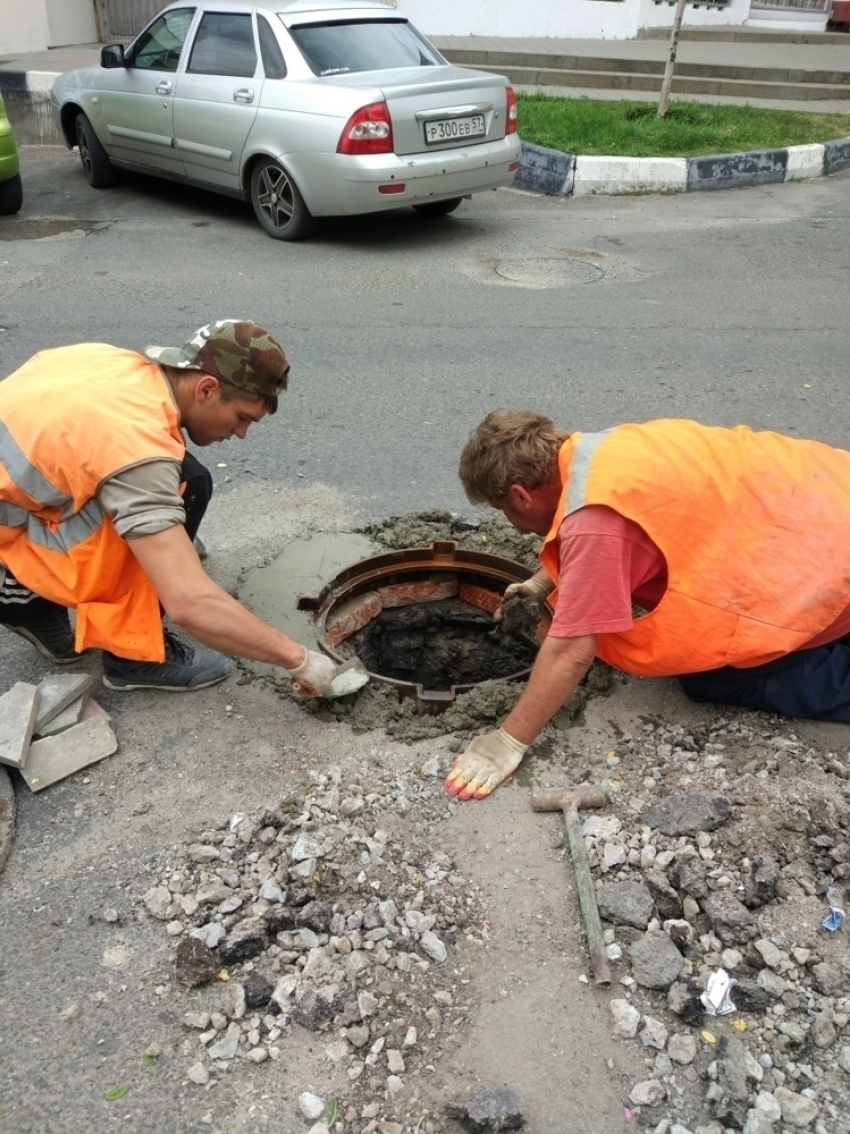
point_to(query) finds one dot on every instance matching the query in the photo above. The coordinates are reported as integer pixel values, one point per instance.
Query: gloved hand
(313, 677)
(530, 588)
(487, 761)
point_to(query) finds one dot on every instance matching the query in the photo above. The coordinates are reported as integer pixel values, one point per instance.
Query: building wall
(33, 25)
(23, 25)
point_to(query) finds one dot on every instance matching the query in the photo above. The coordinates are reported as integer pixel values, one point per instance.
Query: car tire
(11, 195)
(438, 208)
(278, 204)
(99, 170)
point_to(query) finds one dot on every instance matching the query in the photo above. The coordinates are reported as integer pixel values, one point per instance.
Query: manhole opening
(439, 645)
(421, 620)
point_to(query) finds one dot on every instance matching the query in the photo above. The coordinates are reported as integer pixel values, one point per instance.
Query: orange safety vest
(755, 529)
(69, 419)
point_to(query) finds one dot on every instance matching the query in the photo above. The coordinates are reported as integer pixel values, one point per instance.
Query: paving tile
(67, 717)
(56, 757)
(57, 691)
(18, 709)
(7, 816)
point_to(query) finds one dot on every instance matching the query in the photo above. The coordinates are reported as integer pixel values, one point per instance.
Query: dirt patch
(440, 644)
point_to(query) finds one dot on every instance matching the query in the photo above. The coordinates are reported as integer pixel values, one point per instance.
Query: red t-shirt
(608, 564)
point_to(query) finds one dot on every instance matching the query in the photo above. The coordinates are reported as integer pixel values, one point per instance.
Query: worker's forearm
(220, 622)
(560, 665)
(203, 608)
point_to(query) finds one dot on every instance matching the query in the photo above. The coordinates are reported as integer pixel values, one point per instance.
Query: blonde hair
(509, 447)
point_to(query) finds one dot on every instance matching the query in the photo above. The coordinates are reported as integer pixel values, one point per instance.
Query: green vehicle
(11, 189)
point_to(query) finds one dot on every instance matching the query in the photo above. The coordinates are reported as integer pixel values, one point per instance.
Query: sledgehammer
(569, 800)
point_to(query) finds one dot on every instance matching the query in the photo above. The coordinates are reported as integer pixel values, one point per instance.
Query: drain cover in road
(548, 271)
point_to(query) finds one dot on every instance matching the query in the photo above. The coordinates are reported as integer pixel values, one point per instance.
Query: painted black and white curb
(564, 175)
(542, 170)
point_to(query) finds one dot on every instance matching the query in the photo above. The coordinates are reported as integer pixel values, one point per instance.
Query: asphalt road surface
(403, 332)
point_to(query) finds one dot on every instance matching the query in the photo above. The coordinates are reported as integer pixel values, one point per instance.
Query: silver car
(308, 109)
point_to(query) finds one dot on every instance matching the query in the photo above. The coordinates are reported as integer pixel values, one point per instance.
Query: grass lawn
(691, 129)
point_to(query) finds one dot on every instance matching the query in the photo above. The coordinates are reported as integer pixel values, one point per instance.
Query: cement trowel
(351, 676)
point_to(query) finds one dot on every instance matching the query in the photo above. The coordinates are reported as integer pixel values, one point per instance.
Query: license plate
(454, 129)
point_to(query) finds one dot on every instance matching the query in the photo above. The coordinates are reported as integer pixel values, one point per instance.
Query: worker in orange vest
(719, 556)
(100, 503)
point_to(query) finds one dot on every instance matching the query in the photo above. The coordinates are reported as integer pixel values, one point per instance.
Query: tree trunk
(667, 81)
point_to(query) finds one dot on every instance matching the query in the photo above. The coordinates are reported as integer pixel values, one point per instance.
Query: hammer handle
(587, 898)
(588, 795)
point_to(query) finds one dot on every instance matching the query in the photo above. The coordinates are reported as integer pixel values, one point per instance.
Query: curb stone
(542, 170)
(7, 816)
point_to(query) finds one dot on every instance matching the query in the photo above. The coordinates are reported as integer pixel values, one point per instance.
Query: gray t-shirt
(144, 499)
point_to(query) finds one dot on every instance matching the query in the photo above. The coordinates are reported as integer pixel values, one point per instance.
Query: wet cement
(493, 534)
(305, 566)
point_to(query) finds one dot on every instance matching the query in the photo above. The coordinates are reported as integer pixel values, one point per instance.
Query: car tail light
(511, 117)
(368, 131)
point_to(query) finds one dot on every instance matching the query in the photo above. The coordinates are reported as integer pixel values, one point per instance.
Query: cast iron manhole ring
(457, 588)
(548, 271)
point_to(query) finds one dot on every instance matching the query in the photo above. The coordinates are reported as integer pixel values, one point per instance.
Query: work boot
(185, 669)
(46, 624)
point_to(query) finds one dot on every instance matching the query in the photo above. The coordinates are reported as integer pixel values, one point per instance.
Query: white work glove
(314, 676)
(530, 588)
(487, 761)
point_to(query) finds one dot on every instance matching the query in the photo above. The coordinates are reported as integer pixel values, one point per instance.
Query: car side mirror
(112, 55)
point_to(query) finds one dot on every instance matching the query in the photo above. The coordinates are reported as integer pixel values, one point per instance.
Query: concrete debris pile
(728, 875)
(50, 730)
(321, 919)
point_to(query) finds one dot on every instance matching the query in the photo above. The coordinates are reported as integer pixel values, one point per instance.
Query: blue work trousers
(813, 684)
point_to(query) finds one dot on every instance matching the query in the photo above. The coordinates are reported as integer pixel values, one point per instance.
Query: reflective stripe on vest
(71, 418)
(754, 528)
(71, 530)
(583, 454)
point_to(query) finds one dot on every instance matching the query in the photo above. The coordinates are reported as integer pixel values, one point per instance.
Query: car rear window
(338, 47)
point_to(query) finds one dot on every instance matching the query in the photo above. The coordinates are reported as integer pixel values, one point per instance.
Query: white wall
(33, 25)
(23, 25)
(71, 21)
(567, 19)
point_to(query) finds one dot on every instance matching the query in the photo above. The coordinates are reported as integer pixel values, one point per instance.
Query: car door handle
(164, 86)
(245, 94)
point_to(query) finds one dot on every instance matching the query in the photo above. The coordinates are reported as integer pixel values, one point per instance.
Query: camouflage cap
(235, 351)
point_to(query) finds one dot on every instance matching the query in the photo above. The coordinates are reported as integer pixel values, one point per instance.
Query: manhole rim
(389, 568)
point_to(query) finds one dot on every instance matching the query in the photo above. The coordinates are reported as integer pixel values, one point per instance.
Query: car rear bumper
(341, 185)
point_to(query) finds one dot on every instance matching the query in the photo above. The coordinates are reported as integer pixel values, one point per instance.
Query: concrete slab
(57, 757)
(7, 816)
(804, 162)
(18, 709)
(629, 175)
(58, 691)
(544, 170)
(65, 719)
(726, 171)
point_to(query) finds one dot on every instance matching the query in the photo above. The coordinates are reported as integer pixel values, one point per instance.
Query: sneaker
(45, 624)
(185, 669)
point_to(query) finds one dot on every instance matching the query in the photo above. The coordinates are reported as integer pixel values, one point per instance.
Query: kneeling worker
(100, 502)
(734, 544)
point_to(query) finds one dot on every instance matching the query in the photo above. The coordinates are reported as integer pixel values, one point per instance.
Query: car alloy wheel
(97, 167)
(278, 204)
